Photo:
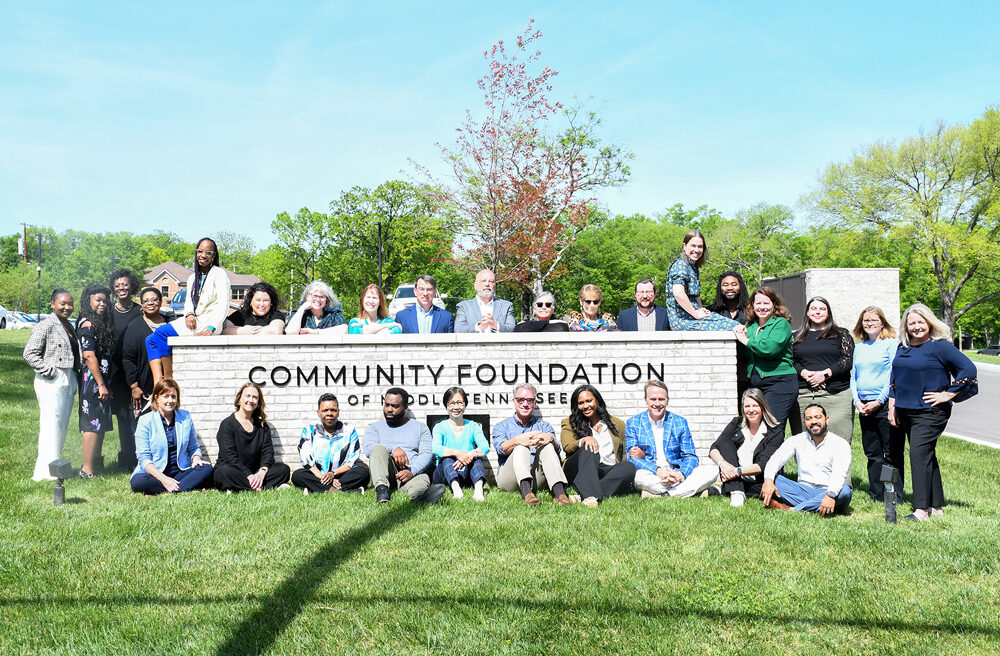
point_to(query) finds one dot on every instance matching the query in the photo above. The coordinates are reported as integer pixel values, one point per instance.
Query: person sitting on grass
(330, 453)
(246, 452)
(824, 463)
(459, 446)
(399, 452)
(167, 447)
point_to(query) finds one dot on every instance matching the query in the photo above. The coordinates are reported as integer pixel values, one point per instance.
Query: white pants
(55, 404)
(699, 480)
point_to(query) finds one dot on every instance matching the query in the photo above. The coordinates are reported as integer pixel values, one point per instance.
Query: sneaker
(284, 486)
(432, 494)
(591, 502)
(479, 496)
(532, 500)
(458, 494)
(737, 499)
(937, 511)
(575, 498)
(646, 494)
(305, 491)
(382, 494)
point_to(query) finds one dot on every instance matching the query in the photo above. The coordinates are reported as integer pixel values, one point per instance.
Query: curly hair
(742, 299)
(246, 308)
(780, 310)
(579, 423)
(133, 282)
(104, 327)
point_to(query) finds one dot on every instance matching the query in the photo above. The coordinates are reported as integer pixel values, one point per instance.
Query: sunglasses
(592, 302)
(546, 304)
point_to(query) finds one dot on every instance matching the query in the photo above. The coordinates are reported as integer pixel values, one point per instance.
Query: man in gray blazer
(484, 313)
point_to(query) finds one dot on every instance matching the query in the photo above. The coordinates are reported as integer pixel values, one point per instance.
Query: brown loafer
(532, 500)
(774, 504)
(562, 500)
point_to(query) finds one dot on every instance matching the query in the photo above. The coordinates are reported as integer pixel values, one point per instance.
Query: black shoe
(432, 494)
(382, 494)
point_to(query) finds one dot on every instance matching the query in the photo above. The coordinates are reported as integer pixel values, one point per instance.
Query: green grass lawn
(111, 572)
(985, 359)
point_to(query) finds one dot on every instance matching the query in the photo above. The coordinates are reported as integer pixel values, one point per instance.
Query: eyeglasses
(871, 322)
(523, 401)
(546, 304)
(455, 404)
(592, 301)
(201, 252)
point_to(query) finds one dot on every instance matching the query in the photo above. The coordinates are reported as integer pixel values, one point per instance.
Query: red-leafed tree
(524, 192)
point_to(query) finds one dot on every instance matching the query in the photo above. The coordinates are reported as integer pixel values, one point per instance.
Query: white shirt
(484, 309)
(826, 465)
(750, 442)
(657, 426)
(605, 444)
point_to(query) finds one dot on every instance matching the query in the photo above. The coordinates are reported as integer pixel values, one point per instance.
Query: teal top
(769, 348)
(444, 438)
(356, 326)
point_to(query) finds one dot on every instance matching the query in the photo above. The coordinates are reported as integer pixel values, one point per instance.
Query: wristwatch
(831, 494)
(739, 471)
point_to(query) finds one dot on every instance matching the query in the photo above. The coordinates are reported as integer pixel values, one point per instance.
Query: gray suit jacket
(468, 315)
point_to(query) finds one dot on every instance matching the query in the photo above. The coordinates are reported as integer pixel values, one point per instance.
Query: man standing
(659, 444)
(484, 313)
(644, 315)
(329, 452)
(424, 317)
(824, 463)
(528, 451)
(399, 452)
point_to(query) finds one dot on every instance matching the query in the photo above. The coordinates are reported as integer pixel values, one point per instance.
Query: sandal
(86, 475)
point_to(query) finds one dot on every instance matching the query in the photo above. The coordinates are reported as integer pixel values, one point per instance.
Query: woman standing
(205, 308)
(123, 311)
(96, 333)
(744, 447)
(873, 357)
(542, 321)
(53, 352)
(135, 360)
(246, 452)
(683, 298)
(590, 306)
(928, 375)
(595, 447)
(259, 313)
(822, 353)
(318, 312)
(167, 447)
(373, 317)
(459, 446)
(768, 338)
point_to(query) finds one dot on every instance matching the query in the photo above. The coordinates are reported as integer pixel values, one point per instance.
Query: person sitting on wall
(485, 313)
(259, 313)
(744, 447)
(373, 317)
(399, 452)
(528, 452)
(246, 452)
(319, 312)
(424, 317)
(593, 441)
(824, 464)
(659, 444)
(459, 446)
(590, 319)
(330, 453)
(166, 446)
(542, 321)
(644, 315)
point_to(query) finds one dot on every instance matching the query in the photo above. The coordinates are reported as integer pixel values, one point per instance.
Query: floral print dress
(95, 415)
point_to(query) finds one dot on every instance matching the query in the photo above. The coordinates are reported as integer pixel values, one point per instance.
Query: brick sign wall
(698, 367)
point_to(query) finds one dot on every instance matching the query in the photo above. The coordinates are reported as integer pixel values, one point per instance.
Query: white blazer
(213, 303)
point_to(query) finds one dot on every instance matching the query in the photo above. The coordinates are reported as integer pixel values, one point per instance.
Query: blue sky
(207, 116)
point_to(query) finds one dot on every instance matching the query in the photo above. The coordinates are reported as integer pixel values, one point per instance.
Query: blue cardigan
(151, 441)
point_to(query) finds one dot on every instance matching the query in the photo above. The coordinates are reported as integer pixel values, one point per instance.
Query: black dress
(238, 319)
(242, 453)
(95, 414)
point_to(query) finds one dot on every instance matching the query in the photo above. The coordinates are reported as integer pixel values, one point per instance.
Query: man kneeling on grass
(399, 452)
(329, 452)
(824, 463)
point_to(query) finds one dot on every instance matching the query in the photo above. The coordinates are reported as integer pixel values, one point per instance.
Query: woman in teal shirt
(768, 338)
(459, 446)
(373, 317)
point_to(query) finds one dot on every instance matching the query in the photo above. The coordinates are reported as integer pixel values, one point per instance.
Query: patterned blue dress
(681, 272)
(95, 414)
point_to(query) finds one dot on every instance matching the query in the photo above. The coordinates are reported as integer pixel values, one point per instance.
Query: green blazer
(769, 348)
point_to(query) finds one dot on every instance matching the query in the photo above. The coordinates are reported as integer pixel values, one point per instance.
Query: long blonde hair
(939, 329)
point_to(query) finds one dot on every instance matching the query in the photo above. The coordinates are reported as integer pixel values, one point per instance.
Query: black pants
(883, 443)
(749, 487)
(590, 478)
(781, 392)
(355, 477)
(924, 427)
(126, 421)
(228, 477)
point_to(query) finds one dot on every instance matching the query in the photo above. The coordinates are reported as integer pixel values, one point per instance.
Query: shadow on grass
(280, 608)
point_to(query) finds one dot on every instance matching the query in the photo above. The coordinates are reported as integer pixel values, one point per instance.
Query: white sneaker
(646, 494)
(736, 499)
(479, 496)
(457, 492)
(284, 486)
(305, 491)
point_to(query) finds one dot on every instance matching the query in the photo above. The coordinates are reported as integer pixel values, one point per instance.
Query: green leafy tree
(236, 250)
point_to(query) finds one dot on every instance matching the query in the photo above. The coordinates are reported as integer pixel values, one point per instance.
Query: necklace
(118, 307)
(153, 325)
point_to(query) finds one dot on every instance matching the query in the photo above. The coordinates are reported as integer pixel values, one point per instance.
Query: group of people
(118, 352)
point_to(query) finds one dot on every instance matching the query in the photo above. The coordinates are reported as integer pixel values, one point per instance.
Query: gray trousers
(544, 469)
(839, 409)
(383, 471)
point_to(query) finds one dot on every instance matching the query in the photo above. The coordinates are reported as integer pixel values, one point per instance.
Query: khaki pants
(383, 471)
(544, 469)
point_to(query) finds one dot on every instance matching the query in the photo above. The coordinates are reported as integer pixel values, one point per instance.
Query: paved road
(979, 417)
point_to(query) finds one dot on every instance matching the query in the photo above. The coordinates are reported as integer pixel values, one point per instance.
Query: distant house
(171, 277)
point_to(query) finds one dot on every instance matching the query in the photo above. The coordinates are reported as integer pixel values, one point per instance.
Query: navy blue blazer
(628, 318)
(441, 320)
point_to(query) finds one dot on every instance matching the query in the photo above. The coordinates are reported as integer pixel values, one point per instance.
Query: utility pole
(379, 225)
(23, 251)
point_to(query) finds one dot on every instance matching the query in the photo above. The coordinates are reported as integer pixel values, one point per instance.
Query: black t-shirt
(238, 319)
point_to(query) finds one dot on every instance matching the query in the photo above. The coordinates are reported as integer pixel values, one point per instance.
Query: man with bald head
(485, 313)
